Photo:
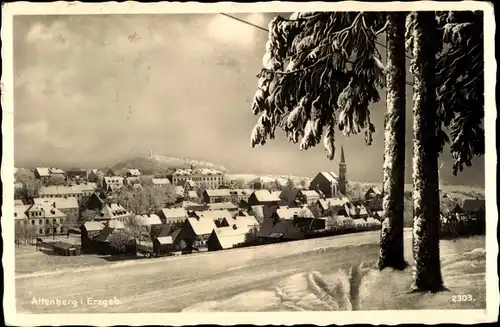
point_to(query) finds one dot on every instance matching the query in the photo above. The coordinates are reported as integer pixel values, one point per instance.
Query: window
(54, 220)
(40, 222)
(32, 221)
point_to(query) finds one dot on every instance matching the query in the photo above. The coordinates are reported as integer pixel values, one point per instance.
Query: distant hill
(155, 164)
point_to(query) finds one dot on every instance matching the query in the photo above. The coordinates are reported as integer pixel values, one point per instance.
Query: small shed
(66, 249)
(163, 245)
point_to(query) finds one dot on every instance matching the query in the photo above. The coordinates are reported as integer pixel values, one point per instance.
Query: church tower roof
(342, 156)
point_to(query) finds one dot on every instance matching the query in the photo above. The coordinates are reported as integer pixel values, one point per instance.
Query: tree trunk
(426, 218)
(391, 238)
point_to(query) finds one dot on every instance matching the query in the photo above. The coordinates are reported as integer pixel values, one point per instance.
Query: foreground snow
(323, 274)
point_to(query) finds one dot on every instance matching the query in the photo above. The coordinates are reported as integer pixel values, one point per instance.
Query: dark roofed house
(325, 183)
(274, 230)
(373, 192)
(66, 249)
(263, 197)
(309, 196)
(291, 198)
(474, 208)
(225, 238)
(76, 174)
(88, 231)
(170, 216)
(194, 234)
(353, 211)
(215, 196)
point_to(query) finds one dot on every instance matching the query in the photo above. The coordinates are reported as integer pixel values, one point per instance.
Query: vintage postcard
(262, 163)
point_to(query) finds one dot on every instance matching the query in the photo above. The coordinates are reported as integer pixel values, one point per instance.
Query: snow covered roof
(265, 196)
(113, 211)
(93, 226)
(222, 206)
(134, 172)
(330, 176)
(20, 211)
(47, 210)
(201, 226)
(174, 213)
(60, 203)
(217, 192)
(165, 239)
(332, 202)
(161, 181)
(116, 224)
(214, 215)
(148, 220)
(310, 193)
(228, 237)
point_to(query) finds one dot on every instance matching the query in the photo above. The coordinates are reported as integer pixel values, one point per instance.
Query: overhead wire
(267, 30)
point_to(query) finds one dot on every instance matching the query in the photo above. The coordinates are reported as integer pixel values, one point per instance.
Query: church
(329, 184)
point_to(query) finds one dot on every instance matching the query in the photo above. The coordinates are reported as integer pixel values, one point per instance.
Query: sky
(91, 90)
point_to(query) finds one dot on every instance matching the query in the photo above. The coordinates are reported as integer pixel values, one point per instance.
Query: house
(194, 233)
(188, 185)
(96, 201)
(170, 216)
(21, 215)
(179, 191)
(263, 182)
(225, 238)
(331, 204)
(161, 182)
(373, 192)
(112, 183)
(68, 206)
(189, 205)
(78, 191)
(241, 222)
(217, 216)
(112, 211)
(212, 178)
(309, 197)
(115, 224)
(310, 224)
(192, 195)
(353, 211)
(101, 243)
(76, 174)
(95, 175)
(291, 198)
(263, 197)
(46, 219)
(149, 220)
(164, 242)
(45, 173)
(240, 194)
(325, 183)
(66, 249)
(223, 206)
(290, 213)
(88, 231)
(474, 208)
(132, 180)
(273, 230)
(216, 196)
(261, 212)
(111, 173)
(132, 172)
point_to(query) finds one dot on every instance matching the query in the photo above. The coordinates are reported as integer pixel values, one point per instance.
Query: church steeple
(342, 172)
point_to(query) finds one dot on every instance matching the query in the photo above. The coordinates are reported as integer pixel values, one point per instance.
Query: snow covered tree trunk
(426, 218)
(391, 238)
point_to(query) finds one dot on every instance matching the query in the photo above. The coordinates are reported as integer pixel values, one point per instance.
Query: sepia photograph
(249, 163)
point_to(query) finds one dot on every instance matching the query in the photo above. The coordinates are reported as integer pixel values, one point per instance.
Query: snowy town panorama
(189, 209)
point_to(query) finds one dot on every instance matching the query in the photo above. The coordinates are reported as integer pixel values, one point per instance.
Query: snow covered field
(303, 275)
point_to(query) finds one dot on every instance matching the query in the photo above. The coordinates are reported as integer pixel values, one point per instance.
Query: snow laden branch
(460, 85)
(320, 73)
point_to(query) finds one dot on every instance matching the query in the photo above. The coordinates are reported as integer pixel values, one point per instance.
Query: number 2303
(462, 298)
